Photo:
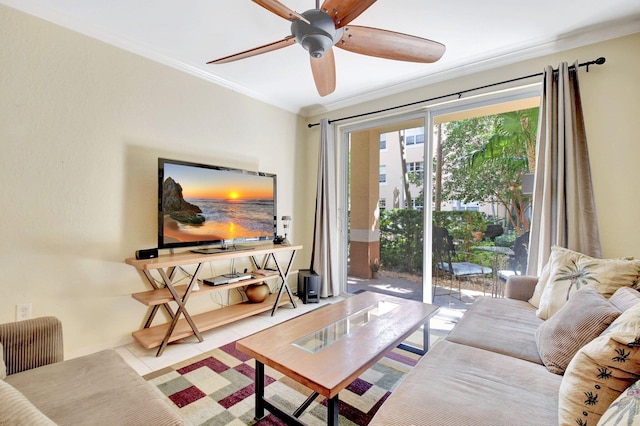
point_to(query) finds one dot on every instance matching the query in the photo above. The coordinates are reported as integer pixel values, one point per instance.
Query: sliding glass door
(462, 166)
(385, 201)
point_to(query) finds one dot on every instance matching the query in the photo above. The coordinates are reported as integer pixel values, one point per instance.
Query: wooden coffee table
(328, 348)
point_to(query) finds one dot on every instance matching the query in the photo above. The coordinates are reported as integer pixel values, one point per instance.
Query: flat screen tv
(204, 205)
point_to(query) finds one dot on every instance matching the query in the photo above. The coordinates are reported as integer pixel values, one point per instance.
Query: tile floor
(144, 361)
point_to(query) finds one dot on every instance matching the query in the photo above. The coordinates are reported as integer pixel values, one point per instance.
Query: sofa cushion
(487, 322)
(625, 410)
(17, 410)
(570, 270)
(580, 320)
(97, 389)
(3, 366)
(461, 385)
(520, 287)
(597, 375)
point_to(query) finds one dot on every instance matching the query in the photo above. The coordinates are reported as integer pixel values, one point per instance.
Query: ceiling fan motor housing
(319, 35)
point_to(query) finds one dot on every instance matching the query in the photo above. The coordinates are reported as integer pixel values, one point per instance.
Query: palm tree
(510, 151)
(514, 140)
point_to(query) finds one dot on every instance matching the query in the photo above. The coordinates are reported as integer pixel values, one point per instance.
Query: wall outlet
(23, 311)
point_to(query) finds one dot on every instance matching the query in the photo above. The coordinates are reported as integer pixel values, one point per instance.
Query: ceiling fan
(319, 29)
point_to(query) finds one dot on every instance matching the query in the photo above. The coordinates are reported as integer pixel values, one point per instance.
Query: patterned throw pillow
(559, 256)
(570, 270)
(579, 321)
(625, 410)
(596, 376)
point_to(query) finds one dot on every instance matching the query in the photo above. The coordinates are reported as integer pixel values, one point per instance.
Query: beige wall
(611, 103)
(81, 126)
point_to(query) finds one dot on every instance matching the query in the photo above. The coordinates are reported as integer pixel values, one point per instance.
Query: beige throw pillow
(596, 376)
(570, 270)
(543, 279)
(579, 321)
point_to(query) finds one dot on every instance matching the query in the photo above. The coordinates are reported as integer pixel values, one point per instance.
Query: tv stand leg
(284, 274)
(181, 302)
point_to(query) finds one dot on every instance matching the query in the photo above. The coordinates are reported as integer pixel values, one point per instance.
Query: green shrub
(462, 224)
(507, 239)
(401, 240)
(401, 236)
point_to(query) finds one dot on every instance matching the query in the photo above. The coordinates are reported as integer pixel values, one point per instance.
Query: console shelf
(182, 324)
(152, 337)
(161, 296)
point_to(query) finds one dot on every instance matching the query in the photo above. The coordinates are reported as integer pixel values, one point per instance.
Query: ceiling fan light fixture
(317, 35)
(316, 44)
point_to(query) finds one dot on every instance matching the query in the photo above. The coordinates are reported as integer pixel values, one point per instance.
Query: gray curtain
(324, 259)
(564, 211)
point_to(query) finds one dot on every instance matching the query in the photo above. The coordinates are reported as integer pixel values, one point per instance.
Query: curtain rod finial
(601, 60)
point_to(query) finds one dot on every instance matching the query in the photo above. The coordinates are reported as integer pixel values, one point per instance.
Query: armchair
(96, 389)
(31, 344)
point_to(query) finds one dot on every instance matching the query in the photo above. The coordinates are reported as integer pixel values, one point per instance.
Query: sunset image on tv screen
(209, 204)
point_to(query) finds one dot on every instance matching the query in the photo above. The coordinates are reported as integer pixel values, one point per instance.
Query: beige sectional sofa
(98, 389)
(488, 370)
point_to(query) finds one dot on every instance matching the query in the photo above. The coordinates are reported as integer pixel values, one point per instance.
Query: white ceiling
(186, 34)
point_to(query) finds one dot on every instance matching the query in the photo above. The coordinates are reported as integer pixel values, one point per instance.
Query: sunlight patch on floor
(397, 290)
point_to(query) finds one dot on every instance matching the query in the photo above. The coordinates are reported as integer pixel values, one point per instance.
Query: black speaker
(308, 286)
(147, 253)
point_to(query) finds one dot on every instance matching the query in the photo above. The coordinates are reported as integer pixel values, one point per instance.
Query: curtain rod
(599, 61)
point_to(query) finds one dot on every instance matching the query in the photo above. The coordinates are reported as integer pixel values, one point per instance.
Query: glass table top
(324, 337)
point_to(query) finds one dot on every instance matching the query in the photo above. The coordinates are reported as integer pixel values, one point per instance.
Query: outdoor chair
(517, 263)
(521, 253)
(493, 231)
(444, 253)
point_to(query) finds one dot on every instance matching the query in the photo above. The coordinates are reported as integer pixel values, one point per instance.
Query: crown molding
(585, 37)
(475, 65)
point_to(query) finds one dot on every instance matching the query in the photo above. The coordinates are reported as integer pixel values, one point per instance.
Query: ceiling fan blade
(345, 11)
(324, 72)
(390, 45)
(274, 6)
(256, 51)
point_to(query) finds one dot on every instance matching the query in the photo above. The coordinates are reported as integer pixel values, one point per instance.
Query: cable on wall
(601, 60)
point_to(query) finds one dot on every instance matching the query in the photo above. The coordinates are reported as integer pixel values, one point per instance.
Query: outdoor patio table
(498, 253)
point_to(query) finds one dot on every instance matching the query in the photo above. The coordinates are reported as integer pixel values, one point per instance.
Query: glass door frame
(428, 114)
(342, 183)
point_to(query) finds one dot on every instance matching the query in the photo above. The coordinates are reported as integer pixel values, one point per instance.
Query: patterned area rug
(217, 388)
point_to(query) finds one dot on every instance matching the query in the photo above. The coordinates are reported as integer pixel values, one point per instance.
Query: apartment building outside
(392, 190)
